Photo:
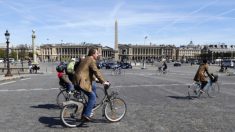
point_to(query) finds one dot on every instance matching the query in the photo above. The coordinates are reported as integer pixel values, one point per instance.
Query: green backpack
(70, 67)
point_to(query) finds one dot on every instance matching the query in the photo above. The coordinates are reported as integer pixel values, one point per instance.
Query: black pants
(203, 84)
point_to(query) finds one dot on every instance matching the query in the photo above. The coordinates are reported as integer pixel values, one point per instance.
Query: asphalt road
(155, 103)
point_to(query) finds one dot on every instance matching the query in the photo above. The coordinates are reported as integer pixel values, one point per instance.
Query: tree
(13, 54)
(23, 51)
(2, 53)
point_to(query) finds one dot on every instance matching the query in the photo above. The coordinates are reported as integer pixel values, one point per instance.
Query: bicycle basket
(215, 78)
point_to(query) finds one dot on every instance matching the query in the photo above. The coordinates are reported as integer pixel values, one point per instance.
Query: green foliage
(2, 53)
(13, 54)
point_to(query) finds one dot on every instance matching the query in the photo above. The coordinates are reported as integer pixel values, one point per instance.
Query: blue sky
(163, 21)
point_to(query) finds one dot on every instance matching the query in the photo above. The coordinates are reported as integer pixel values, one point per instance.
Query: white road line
(120, 86)
(20, 90)
(155, 85)
(7, 82)
(25, 79)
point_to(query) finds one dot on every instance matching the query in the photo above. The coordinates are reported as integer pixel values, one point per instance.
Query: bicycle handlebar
(106, 86)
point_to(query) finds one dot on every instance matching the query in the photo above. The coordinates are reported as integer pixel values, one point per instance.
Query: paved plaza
(155, 103)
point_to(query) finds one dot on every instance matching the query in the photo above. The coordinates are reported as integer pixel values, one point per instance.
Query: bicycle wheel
(62, 97)
(213, 90)
(119, 72)
(113, 72)
(193, 91)
(115, 110)
(71, 114)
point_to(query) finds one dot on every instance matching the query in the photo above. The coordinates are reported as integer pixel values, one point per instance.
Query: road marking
(155, 85)
(25, 79)
(20, 90)
(120, 86)
(7, 82)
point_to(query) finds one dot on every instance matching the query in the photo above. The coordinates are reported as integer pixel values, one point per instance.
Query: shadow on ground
(181, 97)
(53, 122)
(46, 106)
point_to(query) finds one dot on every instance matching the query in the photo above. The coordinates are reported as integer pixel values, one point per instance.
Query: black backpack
(76, 65)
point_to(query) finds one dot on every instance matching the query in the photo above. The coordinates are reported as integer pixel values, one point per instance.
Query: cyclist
(83, 78)
(164, 65)
(200, 75)
(64, 79)
(159, 66)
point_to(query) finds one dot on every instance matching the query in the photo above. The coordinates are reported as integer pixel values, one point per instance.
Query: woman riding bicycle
(201, 77)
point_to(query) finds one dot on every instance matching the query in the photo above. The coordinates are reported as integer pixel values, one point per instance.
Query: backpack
(70, 67)
(76, 65)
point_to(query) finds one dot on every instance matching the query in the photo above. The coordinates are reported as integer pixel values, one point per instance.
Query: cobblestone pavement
(155, 103)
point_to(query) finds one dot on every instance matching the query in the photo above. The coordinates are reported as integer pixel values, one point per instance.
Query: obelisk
(33, 46)
(116, 54)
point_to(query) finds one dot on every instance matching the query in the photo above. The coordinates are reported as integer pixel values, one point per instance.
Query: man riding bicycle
(84, 75)
(201, 77)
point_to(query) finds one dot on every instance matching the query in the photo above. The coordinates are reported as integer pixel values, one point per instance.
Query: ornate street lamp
(7, 35)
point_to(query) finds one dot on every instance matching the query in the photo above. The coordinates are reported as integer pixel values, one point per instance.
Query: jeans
(206, 84)
(91, 100)
(70, 87)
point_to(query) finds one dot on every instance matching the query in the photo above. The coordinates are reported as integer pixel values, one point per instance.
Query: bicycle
(161, 71)
(212, 90)
(114, 109)
(63, 95)
(116, 71)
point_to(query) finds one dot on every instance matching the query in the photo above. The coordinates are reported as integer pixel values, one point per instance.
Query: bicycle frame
(196, 86)
(82, 99)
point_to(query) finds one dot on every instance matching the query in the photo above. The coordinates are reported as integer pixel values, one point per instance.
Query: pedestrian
(30, 66)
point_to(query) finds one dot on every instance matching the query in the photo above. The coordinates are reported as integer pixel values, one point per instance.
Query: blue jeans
(70, 87)
(206, 84)
(209, 83)
(91, 100)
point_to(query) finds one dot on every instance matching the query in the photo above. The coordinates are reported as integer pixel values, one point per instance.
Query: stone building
(187, 52)
(219, 51)
(67, 51)
(146, 52)
(127, 52)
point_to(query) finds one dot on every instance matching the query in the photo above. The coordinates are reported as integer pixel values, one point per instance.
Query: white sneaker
(70, 92)
(92, 113)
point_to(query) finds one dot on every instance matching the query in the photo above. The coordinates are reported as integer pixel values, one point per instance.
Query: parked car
(177, 64)
(126, 66)
(99, 65)
(112, 65)
(1, 60)
(11, 60)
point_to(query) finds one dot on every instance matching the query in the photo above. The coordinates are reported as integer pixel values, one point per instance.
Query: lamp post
(7, 35)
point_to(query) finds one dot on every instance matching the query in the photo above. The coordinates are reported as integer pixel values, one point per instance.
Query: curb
(10, 78)
(14, 77)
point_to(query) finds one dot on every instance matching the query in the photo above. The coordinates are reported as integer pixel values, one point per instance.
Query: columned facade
(66, 51)
(143, 52)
